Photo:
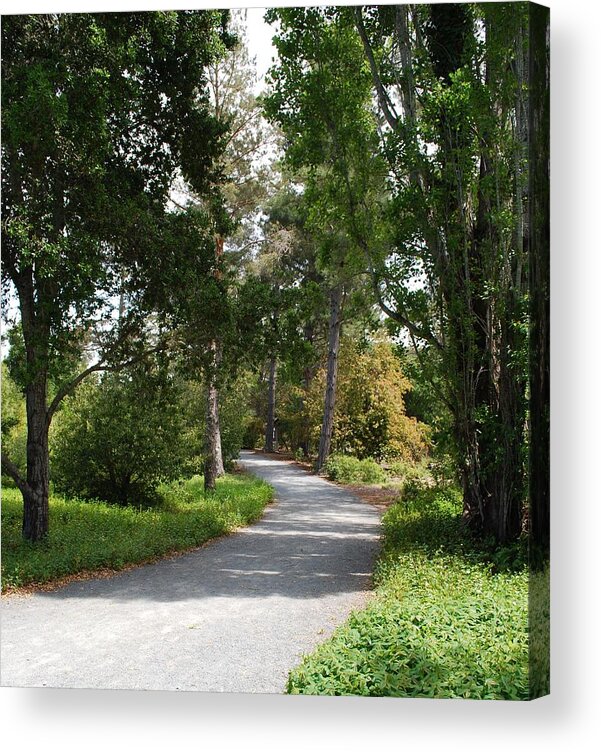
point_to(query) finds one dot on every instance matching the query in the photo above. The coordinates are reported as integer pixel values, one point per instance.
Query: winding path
(233, 616)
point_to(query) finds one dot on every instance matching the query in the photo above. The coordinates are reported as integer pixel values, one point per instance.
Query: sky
(259, 41)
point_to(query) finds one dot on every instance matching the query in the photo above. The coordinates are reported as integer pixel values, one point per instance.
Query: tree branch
(102, 365)
(11, 469)
(383, 97)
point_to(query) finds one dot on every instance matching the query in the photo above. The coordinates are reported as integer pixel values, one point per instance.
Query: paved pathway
(232, 616)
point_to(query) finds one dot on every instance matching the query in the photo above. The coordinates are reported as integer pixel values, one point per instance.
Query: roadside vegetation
(90, 536)
(449, 617)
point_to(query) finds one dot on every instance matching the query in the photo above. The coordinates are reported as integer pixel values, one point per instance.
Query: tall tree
(320, 96)
(243, 182)
(454, 144)
(98, 112)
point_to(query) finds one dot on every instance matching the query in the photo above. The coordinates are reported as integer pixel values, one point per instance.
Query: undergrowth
(88, 536)
(445, 622)
(346, 469)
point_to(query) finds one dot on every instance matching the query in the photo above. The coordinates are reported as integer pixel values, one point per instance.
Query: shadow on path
(233, 615)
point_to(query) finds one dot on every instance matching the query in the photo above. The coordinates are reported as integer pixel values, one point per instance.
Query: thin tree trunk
(213, 457)
(213, 468)
(332, 371)
(308, 374)
(270, 429)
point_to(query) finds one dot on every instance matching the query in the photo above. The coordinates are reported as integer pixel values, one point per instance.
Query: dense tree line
(421, 117)
(182, 293)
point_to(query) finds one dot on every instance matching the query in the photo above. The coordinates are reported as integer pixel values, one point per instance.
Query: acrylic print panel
(275, 386)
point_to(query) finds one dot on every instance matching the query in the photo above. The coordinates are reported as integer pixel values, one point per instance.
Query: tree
(454, 145)
(98, 112)
(372, 420)
(286, 267)
(319, 97)
(242, 183)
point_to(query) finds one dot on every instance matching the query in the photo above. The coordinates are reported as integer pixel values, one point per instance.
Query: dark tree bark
(270, 428)
(539, 257)
(36, 333)
(35, 495)
(336, 297)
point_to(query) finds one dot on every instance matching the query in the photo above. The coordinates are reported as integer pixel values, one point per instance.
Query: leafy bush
(89, 536)
(117, 439)
(346, 469)
(254, 433)
(410, 472)
(443, 624)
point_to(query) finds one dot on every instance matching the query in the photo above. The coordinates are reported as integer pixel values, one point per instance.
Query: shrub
(346, 469)
(117, 439)
(371, 472)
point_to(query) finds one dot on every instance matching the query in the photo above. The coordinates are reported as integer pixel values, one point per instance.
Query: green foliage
(117, 439)
(442, 624)
(443, 234)
(371, 420)
(539, 617)
(347, 469)
(79, 90)
(14, 423)
(87, 537)
(234, 416)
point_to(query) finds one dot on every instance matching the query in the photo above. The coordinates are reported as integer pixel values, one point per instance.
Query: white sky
(259, 41)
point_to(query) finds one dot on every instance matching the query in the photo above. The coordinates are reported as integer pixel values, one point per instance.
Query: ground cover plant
(346, 469)
(92, 535)
(445, 622)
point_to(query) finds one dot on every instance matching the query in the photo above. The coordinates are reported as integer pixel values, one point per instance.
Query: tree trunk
(270, 429)
(482, 303)
(539, 278)
(332, 370)
(308, 373)
(36, 491)
(213, 468)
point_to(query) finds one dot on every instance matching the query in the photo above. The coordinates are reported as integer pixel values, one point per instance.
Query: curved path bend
(233, 616)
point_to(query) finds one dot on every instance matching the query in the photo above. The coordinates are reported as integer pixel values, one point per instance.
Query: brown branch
(102, 365)
(11, 469)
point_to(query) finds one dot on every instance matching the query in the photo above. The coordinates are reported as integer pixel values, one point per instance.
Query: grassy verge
(89, 536)
(444, 622)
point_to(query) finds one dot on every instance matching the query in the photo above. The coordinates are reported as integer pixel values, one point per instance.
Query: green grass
(444, 621)
(88, 536)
